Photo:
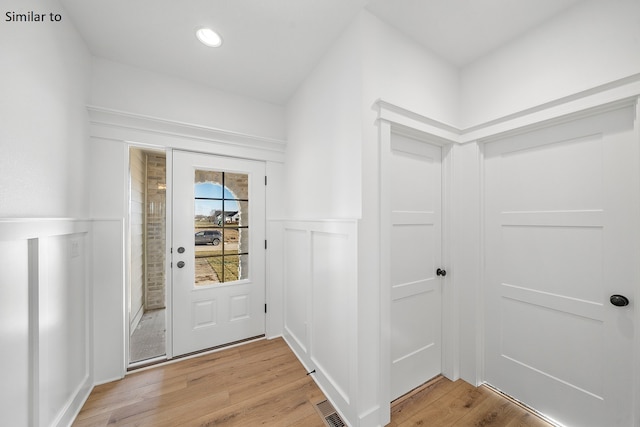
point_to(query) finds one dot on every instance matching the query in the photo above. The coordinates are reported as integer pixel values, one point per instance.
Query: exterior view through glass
(221, 227)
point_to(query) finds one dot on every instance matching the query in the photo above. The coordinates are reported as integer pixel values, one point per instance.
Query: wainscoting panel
(297, 286)
(320, 304)
(333, 307)
(14, 324)
(45, 318)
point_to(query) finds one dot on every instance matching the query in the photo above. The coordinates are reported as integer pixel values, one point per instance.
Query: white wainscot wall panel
(14, 332)
(333, 306)
(320, 305)
(63, 320)
(108, 300)
(297, 284)
(44, 297)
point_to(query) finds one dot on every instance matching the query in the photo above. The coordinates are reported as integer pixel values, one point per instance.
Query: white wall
(325, 121)
(275, 209)
(323, 176)
(125, 88)
(63, 350)
(43, 164)
(591, 44)
(323, 127)
(323, 179)
(465, 260)
(108, 161)
(15, 366)
(402, 72)
(45, 67)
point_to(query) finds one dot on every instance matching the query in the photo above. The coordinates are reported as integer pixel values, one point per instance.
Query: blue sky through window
(213, 190)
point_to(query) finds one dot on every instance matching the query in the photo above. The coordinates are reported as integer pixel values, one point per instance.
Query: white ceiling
(271, 45)
(462, 31)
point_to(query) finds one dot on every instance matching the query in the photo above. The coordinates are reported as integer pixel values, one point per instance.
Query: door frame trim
(450, 324)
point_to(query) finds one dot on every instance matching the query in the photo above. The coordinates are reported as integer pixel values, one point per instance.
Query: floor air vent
(329, 414)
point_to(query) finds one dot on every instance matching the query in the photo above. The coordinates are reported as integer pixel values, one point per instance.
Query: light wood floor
(442, 402)
(262, 383)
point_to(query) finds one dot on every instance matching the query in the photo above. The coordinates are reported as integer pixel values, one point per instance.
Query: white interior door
(416, 252)
(218, 259)
(561, 238)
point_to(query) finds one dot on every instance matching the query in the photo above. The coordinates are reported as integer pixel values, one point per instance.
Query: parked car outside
(206, 237)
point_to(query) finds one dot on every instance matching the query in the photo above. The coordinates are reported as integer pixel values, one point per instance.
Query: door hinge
(265, 244)
(265, 180)
(265, 308)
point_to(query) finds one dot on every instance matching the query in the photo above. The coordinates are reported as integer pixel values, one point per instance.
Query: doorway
(218, 265)
(147, 248)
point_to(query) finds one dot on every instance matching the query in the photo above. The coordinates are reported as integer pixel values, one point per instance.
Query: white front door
(561, 226)
(218, 259)
(416, 253)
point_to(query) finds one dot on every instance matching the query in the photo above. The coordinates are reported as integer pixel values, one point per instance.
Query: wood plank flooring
(263, 383)
(444, 403)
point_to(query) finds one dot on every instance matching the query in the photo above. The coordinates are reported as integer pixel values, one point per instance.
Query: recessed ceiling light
(209, 37)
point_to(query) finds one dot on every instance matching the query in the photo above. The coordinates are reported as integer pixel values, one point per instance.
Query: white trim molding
(146, 130)
(587, 102)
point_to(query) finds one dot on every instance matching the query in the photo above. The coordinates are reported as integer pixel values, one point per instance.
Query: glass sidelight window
(147, 240)
(221, 227)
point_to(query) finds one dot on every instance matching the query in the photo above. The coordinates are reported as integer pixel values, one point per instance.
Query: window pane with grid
(221, 227)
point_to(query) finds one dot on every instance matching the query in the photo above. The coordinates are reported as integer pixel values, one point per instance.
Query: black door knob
(180, 264)
(619, 300)
(180, 250)
(441, 272)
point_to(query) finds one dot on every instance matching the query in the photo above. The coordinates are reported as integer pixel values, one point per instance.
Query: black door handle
(441, 272)
(180, 264)
(619, 300)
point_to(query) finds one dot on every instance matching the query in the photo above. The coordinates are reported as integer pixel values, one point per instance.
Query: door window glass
(221, 227)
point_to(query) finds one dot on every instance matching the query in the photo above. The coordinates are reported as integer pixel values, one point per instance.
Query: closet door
(416, 254)
(561, 238)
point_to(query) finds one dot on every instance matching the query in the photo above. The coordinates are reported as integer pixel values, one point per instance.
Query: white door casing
(212, 314)
(561, 231)
(415, 255)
